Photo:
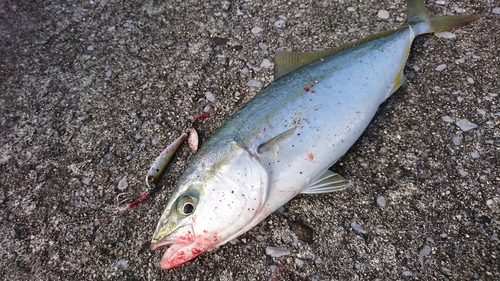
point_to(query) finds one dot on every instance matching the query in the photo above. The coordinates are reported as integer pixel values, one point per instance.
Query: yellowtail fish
(283, 141)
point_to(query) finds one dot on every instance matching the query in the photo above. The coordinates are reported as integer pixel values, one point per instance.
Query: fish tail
(424, 21)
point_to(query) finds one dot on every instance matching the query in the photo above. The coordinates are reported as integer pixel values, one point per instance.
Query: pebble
(256, 30)
(276, 252)
(466, 125)
(470, 80)
(445, 271)
(445, 35)
(462, 173)
(425, 251)
(441, 67)
(263, 46)
(381, 202)
(210, 96)
(407, 273)
(266, 63)
(440, 2)
(122, 264)
(416, 67)
(474, 154)
(456, 140)
(383, 14)
(90, 48)
(122, 184)
(299, 262)
(254, 84)
(496, 10)
(358, 228)
(351, 9)
(447, 119)
(279, 23)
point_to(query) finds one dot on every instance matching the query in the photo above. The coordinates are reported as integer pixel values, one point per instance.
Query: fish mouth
(182, 237)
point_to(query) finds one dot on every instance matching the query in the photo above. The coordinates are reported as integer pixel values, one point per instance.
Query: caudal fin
(423, 21)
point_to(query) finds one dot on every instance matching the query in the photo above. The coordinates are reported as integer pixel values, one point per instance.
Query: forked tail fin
(423, 21)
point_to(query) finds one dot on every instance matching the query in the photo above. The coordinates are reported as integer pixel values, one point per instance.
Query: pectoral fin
(328, 182)
(276, 141)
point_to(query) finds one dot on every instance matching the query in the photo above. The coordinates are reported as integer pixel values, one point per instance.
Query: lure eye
(186, 205)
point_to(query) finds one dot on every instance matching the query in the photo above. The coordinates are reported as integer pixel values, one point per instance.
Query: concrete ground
(92, 91)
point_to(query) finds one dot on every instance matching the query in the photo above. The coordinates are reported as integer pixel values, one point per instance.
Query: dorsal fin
(286, 62)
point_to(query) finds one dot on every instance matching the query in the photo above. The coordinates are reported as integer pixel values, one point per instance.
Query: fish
(284, 140)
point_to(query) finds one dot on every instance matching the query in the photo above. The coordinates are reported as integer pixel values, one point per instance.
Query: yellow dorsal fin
(286, 62)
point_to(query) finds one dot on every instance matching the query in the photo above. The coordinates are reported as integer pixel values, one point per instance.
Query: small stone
(483, 179)
(279, 23)
(276, 252)
(466, 125)
(383, 14)
(440, 2)
(263, 46)
(381, 202)
(470, 80)
(351, 9)
(299, 262)
(441, 67)
(122, 184)
(210, 97)
(430, 239)
(256, 30)
(122, 264)
(351, 30)
(456, 140)
(447, 119)
(90, 48)
(481, 111)
(254, 84)
(496, 10)
(358, 228)
(416, 67)
(445, 35)
(445, 271)
(425, 251)
(474, 154)
(462, 173)
(407, 273)
(266, 63)
(357, 266)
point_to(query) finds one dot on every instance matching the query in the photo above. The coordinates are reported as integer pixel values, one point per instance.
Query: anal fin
(328, 182)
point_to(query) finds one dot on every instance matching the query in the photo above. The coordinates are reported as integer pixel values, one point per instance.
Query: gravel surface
(92, 91)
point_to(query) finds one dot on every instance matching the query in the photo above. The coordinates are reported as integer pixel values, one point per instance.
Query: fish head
(217, 200)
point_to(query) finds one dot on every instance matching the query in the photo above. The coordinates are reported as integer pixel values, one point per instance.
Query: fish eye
(188, 208)
(186, 205)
